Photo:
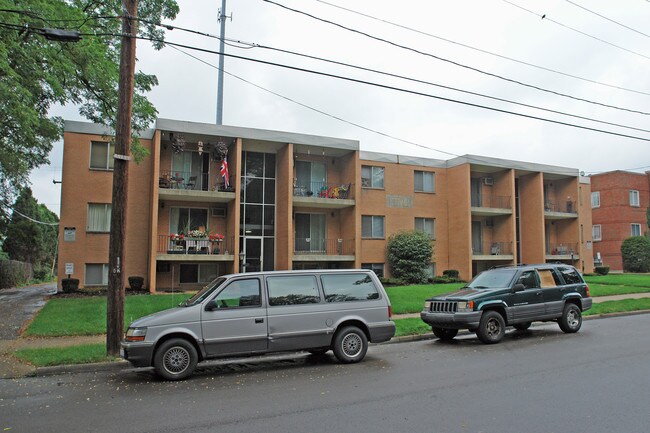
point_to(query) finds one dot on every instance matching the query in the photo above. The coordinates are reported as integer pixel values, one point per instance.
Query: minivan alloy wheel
(175, 359)
(351, 345)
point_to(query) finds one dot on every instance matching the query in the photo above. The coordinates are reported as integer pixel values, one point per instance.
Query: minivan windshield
(493, 279)
(204, 292)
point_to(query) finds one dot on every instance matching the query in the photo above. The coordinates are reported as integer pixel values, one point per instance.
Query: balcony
(308, 249)
(493, 251)
(186, 186)
(194, 249)
(563, 210)
(491, 205)
(324, 195)
(562, 251)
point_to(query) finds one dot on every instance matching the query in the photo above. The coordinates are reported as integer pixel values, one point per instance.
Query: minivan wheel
(491, 328)
(444, 334)
(571, 319)
(350, 344)
(175, 359)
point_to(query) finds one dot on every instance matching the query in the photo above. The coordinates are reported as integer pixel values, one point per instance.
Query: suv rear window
(349, 287)
(571, 276)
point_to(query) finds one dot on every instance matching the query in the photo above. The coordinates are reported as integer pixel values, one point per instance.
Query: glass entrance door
(253, 254)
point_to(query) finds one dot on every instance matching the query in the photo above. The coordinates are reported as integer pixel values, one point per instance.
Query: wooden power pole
(115, 297)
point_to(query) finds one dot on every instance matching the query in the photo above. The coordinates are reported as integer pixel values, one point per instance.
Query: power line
(32, 219)
(608, 19)
(546, 17)
(454, 62)
(482, 50)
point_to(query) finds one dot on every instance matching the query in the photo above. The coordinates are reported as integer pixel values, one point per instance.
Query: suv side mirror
(211, 305)
(518, 288)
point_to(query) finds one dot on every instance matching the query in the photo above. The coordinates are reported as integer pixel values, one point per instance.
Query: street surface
(534, 381)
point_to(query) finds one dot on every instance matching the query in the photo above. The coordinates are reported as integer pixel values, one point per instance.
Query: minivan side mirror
(518, 287)
(211, 305)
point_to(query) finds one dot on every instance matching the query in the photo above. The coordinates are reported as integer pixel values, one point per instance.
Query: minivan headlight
(466, 306)
(136, 334)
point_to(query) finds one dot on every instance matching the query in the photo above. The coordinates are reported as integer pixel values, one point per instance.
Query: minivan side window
(240, 293)
(349, 287)
(571, 276)
(292, 290)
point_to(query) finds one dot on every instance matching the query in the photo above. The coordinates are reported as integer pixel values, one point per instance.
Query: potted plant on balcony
(215, 240)
(177, 242)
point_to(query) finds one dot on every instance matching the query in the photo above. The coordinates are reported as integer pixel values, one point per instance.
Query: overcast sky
(569, 40)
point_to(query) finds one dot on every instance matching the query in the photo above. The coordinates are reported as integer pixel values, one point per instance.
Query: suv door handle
(259, 320)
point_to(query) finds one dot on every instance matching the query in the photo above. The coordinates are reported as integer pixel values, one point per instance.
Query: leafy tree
(27, 240)
(36, 73)
(409, 255)
(636, 254)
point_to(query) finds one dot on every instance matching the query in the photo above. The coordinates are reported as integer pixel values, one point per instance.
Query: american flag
(224, 172)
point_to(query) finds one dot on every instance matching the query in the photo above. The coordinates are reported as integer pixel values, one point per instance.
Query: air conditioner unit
(218, 212)
(488, 181)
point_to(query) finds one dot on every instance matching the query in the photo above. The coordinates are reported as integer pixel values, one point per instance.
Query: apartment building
(619, 202)
(297, 201)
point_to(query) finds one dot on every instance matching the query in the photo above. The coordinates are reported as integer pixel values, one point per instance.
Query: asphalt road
(535, 381)
(18, 305)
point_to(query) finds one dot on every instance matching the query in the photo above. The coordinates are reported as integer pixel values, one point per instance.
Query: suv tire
(444, 334)
(175, 359)
(492, 327)
(350, 345)
(571, 319)
(522, 326)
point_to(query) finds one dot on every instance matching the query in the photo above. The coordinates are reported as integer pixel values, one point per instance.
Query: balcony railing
(493, 249)
(184, 180)
(562, 207)
(562, 249)
(323, 190)
(329, 247)
(187, 245)
(492, 201)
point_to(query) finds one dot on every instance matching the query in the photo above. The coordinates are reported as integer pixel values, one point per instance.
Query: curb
(121, 364)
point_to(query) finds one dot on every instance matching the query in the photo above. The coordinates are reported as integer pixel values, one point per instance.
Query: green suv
(510, 296)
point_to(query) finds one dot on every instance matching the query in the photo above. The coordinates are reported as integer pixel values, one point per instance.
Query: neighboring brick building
(619, 202)
(299, 201)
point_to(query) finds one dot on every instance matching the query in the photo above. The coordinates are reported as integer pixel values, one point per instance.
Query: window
(636, 230)
(99, 217)
(348, 287)
(425, 181)
(182, 220)
(548, 278)
(96, 274)
(101, 155)
(426, 225)
(570, 275)
(372, 226)
(198, 273)
(528, 279)
(377, 268)
(634, 198)
(372, 177)
(595, 199)
(596, 232)
(293, 290)
(240, 293)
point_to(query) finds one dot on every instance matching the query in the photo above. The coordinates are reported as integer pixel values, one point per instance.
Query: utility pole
(115, 297)
(222, 47)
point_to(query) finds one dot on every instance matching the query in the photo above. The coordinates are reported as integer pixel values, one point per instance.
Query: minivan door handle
(259, 320)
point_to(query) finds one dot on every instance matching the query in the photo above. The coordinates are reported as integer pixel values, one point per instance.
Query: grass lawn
(410, 299)
(618, 284)
(623, 305)
(82, 354)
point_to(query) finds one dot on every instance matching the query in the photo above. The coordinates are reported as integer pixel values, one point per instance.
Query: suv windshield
(493, 279)
(204, 292)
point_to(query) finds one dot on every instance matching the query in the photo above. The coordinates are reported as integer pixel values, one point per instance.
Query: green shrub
(70, 285)
(409, 255)
(601, 270)
(636, 254)
(14, 273)
(136, 283)
(390, 282)
(444, 280)
(450, 273)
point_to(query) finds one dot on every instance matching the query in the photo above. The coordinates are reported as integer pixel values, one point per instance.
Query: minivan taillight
(390, 311)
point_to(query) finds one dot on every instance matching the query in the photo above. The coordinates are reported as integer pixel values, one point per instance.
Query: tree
(36, 73)
(636, 254)
(409, 255)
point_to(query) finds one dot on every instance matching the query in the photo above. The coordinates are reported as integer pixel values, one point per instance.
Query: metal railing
(493, 249)
(323, 190)
(329, 247)
(187, 245)
(562, 249)
(492, 201)
(562, 207)
(184, 180)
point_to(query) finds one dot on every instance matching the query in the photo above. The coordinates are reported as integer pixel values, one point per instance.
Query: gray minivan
(256, 313)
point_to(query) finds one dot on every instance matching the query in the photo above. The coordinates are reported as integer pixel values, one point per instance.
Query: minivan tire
(350, 345)
(175, 359)
(571, 319)
(491, 328)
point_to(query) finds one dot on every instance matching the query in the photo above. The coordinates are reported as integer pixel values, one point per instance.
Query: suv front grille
(444, 306)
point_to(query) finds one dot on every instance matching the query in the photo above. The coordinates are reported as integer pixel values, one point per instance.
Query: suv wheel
(491, 328)
(445, 334)
(175, 359)
(350, 345)
(571, 319)
(522, 326)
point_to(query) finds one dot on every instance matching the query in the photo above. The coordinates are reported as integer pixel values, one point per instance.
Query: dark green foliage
(70, 285)
(601, 270)
(136, 283)
(409, 256)
(391, 282)
(14, 273)
(444, 280)
(636, 254)
(450, 273)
